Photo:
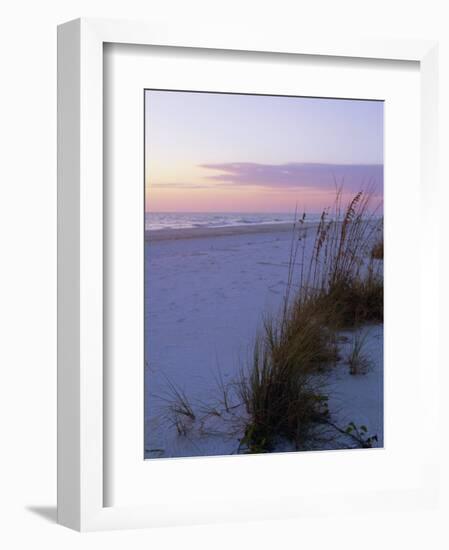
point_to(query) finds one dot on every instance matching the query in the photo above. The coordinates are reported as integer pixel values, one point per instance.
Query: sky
(207, 152)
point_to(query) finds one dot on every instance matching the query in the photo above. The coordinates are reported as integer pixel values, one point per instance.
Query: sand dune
(206, 293)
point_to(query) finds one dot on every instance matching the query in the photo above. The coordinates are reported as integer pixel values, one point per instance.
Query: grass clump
(179, 410)
(281, 391)
(358, 360)
(355, 301)
(339, 286)
(377, 252)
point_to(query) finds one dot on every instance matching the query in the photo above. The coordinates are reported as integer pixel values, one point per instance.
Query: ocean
(182, 220)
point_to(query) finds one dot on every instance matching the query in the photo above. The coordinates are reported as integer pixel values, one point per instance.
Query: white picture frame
(81, 406)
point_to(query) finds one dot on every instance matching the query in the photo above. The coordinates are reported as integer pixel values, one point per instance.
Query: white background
(28, 269)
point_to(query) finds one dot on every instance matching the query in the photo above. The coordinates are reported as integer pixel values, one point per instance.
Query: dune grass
(358, 360)
(282, 391)
(377, 252)
(179, 409)
(284, 386)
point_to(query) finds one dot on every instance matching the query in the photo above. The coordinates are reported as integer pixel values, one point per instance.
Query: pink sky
(240, 153)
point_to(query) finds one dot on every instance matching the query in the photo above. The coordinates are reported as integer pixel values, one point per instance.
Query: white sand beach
(209, 232)
(206, 293)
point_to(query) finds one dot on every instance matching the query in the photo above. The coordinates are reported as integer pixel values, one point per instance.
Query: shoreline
(205, 232)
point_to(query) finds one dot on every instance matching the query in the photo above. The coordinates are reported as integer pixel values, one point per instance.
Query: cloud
(296, 175)
(179, 186)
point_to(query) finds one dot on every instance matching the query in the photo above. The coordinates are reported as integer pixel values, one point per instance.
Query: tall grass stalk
(340, 285)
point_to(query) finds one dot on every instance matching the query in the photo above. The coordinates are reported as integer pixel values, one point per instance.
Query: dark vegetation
(284, 388)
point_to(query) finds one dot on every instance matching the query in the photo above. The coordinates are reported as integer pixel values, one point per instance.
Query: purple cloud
(296, 175)
(178, 186)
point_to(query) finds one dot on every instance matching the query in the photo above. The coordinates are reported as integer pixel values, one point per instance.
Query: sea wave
(185, 220)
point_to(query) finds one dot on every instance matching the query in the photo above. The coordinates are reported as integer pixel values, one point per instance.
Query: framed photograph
(234, 302)
(263, 276)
